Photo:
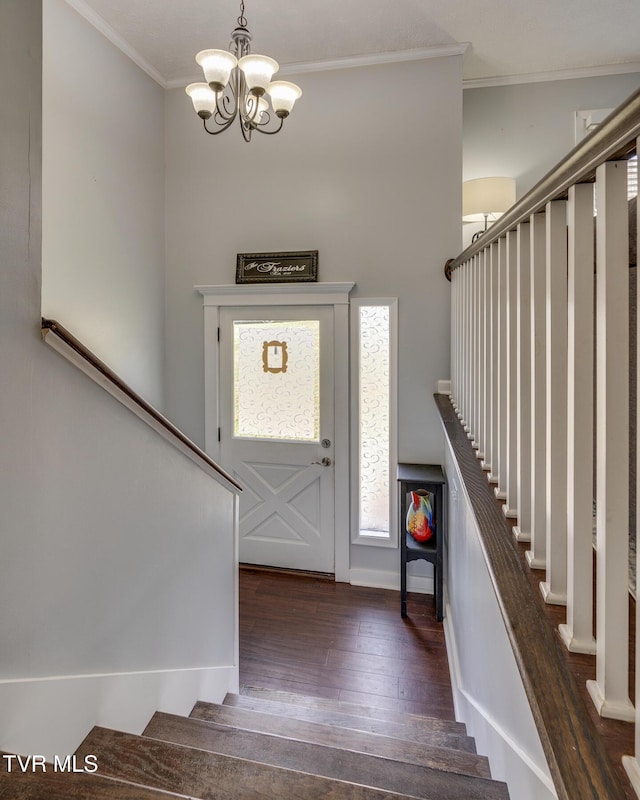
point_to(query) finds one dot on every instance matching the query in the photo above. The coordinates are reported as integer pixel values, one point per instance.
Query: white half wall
(488, 693)
(103, 199)
(52, 716)
(118, 578)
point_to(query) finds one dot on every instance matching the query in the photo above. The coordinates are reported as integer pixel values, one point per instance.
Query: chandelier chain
(242, 20)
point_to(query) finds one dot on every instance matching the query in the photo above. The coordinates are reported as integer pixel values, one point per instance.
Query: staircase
(273, 744)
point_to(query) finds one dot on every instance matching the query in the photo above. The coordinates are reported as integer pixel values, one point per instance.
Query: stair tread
(73, 786)
(435, 734)
(210, 776)
(360, 768)
(355, 709)
(438, 757)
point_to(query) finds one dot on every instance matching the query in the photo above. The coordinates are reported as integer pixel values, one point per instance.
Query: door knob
(326, 462)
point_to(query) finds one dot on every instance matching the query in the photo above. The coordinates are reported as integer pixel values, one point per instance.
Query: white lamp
(258, 71)
(487, 198)
(217, 66)
(283, 95)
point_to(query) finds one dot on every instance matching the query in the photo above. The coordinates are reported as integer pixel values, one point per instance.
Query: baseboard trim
(384, 579)
(51, 716)
(489, 720)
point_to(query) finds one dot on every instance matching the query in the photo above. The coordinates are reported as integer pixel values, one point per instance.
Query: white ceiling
(507, 38)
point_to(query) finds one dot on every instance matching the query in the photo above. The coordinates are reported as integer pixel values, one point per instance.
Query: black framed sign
(277, 267)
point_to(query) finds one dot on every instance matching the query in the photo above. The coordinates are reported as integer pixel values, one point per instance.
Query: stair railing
(62, 340)
(523, 371)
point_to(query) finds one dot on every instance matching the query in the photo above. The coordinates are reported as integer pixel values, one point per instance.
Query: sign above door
(277, 267)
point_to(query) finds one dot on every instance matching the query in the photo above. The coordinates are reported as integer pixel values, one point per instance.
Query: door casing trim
(324, 294)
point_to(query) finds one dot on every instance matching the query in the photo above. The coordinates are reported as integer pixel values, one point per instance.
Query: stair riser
(419, 782)
(353, 709)
(208, 776)
(372, 744)
(426, 736)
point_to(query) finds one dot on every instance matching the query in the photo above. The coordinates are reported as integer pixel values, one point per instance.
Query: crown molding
(109, 33)
(392, 57)
(349, 62)
(554, 75)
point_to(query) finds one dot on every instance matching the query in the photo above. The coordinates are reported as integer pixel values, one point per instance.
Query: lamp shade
(217, 66)
(257, 71)
(487, 197)
(283, 95)
(204, 100)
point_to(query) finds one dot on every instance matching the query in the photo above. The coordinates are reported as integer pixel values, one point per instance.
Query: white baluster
(473, 366)
(453, 371)
(511, 361)
(522, 531)
(577, 633)
(466, 365)
(631, 762)
(495, 365)
(458, 343)
(469, 402)
(463, 308)
(537, 555)
(501, 489)
(477, 434)
(482, 355)
(554, 589)
(486, 463)
(609, 691)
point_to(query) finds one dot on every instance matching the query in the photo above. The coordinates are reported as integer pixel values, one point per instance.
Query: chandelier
(237, 85)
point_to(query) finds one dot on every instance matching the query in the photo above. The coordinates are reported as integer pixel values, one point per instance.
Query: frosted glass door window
(374, 416)
(276, 381)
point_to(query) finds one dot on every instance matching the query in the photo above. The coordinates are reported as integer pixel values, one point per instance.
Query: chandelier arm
(246, 130)
(250, 118)
(275, 130)
(221, 128)
(222, 100)
(265, 120)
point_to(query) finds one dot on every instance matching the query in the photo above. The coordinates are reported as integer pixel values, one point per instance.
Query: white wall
(103, 199)
(117, 576)
(487, 689)
(368, 171)
(522, 131)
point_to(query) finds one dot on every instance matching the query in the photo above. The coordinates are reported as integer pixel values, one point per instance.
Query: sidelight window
(374, 327)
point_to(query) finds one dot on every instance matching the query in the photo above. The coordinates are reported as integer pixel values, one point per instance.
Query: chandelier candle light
(237, 83)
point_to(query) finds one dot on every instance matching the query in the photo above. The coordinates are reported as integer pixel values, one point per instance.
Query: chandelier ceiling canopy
(238, 84)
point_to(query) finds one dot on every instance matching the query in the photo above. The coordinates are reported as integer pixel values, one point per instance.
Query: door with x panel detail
(276, 416)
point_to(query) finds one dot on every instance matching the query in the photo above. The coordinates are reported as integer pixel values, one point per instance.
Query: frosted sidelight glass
(374, 415)
(276, 382)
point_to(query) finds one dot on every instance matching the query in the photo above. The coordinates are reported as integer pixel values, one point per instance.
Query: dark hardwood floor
(312, 636)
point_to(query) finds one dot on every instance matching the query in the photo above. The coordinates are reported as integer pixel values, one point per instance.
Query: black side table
(427, 478)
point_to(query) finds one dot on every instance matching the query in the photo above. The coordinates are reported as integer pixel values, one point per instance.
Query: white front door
(277, 429)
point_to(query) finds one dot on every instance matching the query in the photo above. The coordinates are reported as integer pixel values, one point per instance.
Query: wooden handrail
(50, 325)
(614, 138)
(577, 759)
